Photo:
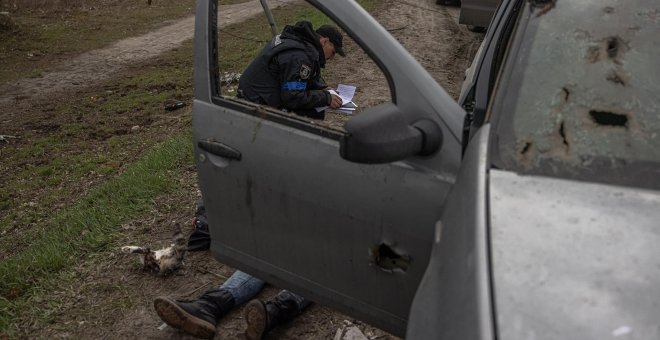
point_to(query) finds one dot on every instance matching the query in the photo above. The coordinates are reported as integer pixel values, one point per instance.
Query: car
(477, 14)
(528, 209)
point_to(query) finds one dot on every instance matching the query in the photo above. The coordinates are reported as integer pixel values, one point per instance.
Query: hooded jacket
(286, 73)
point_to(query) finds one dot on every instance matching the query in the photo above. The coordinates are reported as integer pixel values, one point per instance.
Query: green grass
(63, 160)
(37, 197)
(91, 224)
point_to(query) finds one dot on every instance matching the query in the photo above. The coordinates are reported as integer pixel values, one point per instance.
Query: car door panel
(458, 271)
(284, 206)
(293, 202)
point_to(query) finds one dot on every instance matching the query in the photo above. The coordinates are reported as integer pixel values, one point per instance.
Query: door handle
(219, 149)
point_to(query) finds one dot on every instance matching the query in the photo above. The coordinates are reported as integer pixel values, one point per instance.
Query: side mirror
(381, 134)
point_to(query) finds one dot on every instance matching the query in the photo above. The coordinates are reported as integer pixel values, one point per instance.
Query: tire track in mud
(98, 65)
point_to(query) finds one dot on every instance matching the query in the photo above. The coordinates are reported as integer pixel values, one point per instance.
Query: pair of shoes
(262, 317)
(197, 318)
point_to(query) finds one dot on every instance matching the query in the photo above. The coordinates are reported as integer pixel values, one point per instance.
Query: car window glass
(239, 44)
(503, 42)
(581, 100)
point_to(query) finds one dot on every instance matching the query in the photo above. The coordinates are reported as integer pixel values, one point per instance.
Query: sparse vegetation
(105, 116)
(38, 34)
(90, 224)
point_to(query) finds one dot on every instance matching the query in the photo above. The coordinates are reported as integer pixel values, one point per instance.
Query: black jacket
(286, 73)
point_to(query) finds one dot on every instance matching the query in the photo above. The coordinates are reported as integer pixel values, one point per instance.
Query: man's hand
(335, 102)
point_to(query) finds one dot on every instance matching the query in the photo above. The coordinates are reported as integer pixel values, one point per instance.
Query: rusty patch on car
(611, 48)
(599, 111)
(526, 152)
(593, 54)
(616, 78)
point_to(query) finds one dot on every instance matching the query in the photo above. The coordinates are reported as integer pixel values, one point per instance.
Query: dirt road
(96, 66)
(94, 309)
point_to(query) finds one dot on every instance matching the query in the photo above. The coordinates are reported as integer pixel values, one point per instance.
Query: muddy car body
(529, 210)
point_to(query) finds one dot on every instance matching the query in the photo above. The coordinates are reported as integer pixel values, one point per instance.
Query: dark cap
(332, 33)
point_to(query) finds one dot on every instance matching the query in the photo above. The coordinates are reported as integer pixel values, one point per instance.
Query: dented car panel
(565, 186)
(573, 195)
(284, 205)
(593, 115)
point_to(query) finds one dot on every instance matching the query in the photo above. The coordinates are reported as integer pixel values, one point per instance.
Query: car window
(495, 46)
(580, 95)
(248, 39)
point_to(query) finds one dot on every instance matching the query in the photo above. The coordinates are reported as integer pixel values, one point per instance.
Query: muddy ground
(112, 297)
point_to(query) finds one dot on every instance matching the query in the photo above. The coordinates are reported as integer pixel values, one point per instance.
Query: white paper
(346, 93)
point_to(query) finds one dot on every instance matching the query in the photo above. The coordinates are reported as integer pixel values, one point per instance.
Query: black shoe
(197, 318)
(262, 317)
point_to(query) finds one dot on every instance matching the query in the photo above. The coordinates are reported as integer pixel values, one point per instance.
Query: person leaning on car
(287, 72)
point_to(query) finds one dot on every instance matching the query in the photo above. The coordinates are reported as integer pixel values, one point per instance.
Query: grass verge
(90, 224)
(70, 145)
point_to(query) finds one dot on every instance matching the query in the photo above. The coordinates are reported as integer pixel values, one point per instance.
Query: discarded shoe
(174, 105)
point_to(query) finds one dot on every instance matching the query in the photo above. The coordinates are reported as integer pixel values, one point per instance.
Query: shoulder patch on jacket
(277, 40)
(305, 71)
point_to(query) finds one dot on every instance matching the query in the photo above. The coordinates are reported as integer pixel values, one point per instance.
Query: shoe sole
(177, 317)
(255, 316)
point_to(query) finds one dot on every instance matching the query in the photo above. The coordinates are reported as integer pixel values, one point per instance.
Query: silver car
(528, 210)
(477, 14)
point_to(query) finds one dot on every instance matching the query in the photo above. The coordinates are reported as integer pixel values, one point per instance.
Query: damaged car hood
(574, 260)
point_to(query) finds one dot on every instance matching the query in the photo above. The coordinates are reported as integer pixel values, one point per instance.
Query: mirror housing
(381, 134)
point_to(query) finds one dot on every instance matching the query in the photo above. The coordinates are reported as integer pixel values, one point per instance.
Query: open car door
(353, 232)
